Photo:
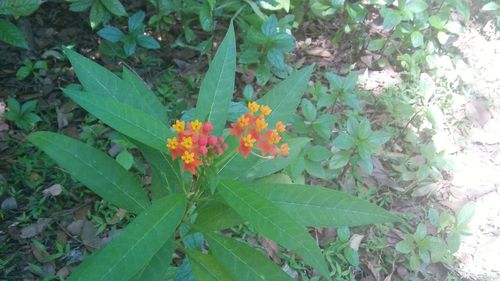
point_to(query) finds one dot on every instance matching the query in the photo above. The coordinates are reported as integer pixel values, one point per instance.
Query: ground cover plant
(246, 140)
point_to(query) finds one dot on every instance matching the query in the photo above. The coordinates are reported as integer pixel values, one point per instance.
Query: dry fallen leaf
(53, 190)
(89, 235)
(35, 229)
(75, 227)
(271, 248)
(319, 52)
(355, 241)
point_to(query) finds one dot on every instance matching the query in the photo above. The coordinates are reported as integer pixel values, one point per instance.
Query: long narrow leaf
(237, 167)
(157, 268)
(216, 215)
(139, 90)
(243, 262)
(127, 254)
(272, 222)
(167, 177)
(322, 207)
(94, 169)
(123, 118)
(285, 97)
(216, 90)
(207, 267)
(100, 81)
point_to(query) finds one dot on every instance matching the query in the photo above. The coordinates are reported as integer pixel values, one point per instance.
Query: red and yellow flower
(251, 129)
(194, 144)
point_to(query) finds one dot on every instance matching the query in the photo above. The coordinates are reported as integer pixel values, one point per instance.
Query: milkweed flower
(252, 130)
(194, 144)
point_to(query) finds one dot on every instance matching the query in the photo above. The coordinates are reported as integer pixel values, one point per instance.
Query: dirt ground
(476, 157)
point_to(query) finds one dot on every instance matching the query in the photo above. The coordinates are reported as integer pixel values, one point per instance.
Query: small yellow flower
(196, 125)
(187, 157)
(284, 149)
(275, 137)
(260, 123)
(253, 107)
(187, 143)
(280, 126)
(248, 141)
(172, 143)
(243, 121)
(266, 110)
(179, 126)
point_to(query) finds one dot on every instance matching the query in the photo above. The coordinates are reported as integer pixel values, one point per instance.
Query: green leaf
(343, 141)
(97, 15)
(135, 21)
(309, 110)
(237, 167)
(323, 207)
(12, 35)
(94, 169)
(316, 169)
(270, 26)
(129, 45)
(272, 222)
(115, 7)
(404, 246)
(142, 95)
(127, 254)
(318, 153)
(351, 256)
(391, 17)
(339, 160)
(414, 262)
(206, 18)
(157, 268)
(80, 5)
(420, 232)
(23, 71)
(242, 261)
(217, 87)
(416, 6)
(100, 81)
(125, 159)
(123, 118)
(490, 6)
(276, 58)
(366, 164)
(147, 42)
(19, 8)
(343, 233)
(323, 125)
(433, 217)
(466, 213)
(207, 267)
(436, 22)
(417, 39)
(111, 34)
(376, 45)
(167, 177)
(263, 74)
(216, 215)
(285, 97)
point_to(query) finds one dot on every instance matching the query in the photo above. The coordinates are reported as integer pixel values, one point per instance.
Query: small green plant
(204, 180)
(424, 248)
(357, 144)
(267, 47)
(341, 257)
(100, 10)
(134, 37)
(9, 32)
(22, 115)
(38, 69)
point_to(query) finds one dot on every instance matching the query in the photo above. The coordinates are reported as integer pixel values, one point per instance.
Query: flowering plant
(206, 177)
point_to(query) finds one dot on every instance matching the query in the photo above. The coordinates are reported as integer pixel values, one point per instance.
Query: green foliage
(134, 37)
(11, 34)
(37, 69)
(100, 10)
(220, 196)
(423, 248)
(22, 115)
(266, 46)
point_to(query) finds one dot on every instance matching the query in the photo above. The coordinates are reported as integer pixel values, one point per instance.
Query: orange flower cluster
(251, 130)
(194, 144)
